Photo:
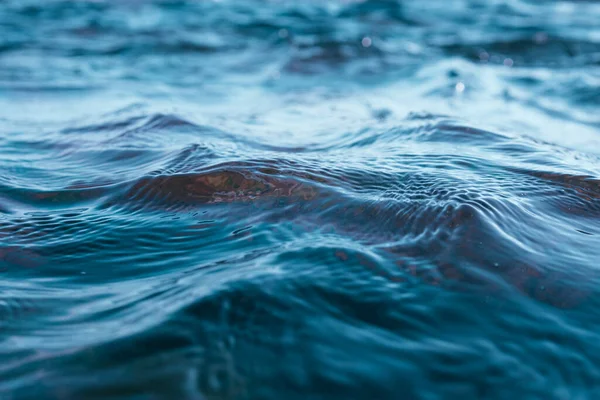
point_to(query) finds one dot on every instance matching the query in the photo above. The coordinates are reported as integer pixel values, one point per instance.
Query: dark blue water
(299, 200)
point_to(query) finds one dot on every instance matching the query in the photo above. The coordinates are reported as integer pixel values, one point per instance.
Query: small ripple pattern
(337, 199)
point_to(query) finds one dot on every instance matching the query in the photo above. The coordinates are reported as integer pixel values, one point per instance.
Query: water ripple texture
(341, 199)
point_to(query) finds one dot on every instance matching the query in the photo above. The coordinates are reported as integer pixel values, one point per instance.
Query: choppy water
(299, 200)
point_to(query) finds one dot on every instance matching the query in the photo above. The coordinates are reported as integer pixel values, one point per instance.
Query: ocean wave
(263, 200)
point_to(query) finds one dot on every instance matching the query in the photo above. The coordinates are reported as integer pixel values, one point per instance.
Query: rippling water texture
(299, 200)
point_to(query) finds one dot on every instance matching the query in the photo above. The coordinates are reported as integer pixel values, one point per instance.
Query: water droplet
(508, 62)
(460, 87)
(366, 41)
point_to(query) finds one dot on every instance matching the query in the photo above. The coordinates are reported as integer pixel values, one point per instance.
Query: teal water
(299, 200)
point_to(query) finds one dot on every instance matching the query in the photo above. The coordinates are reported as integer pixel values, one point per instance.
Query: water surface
(299, 200)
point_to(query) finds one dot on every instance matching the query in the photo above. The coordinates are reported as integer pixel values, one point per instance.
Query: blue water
(299, 200)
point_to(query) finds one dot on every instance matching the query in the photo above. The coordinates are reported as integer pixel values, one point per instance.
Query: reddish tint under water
(316, 200)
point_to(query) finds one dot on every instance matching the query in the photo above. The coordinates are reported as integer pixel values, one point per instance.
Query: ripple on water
(324, 200)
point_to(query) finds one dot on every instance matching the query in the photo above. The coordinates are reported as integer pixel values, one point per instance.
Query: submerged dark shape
(19, 257)
(221, 186)
(314, 200)
(321, 199)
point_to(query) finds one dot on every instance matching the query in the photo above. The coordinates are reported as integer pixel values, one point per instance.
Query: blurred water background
(299, 200)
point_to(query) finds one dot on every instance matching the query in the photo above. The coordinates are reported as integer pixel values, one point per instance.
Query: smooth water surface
(299, 200)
